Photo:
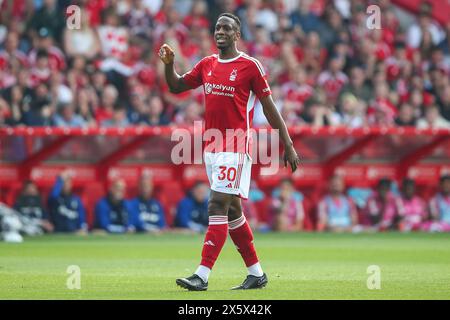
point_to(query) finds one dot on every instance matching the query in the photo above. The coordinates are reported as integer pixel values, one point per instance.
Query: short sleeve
(259, 81)
(193, 78)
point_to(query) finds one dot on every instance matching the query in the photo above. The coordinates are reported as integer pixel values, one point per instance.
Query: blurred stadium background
(85, 126)
(364, 104)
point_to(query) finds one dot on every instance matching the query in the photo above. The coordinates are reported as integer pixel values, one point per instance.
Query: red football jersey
(231, 88)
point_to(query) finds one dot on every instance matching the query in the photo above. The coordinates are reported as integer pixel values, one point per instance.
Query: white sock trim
(237, 223)
(203, 272)
(255, 270)
(213, 220)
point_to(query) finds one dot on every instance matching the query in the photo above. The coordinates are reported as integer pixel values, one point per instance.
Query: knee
(234, 213)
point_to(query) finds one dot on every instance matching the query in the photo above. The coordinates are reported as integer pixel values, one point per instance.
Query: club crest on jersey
(208, 88)
(233, 75)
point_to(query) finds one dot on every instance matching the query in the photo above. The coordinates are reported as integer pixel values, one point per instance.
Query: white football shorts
(229, 172)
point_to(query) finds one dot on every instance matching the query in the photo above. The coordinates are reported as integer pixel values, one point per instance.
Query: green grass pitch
(299, 266)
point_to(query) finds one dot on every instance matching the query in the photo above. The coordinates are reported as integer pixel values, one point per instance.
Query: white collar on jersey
(230, 60)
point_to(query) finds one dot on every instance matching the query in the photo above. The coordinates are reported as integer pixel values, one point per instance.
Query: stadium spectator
(336, 212)
(109, 96)
(113, 37)
(381, 207)
(156, 117)
(297, 90)
(111, 212)
(352, 111)
(49, 16)
(304, 18)
(440, 207)
(382, 111)
(192, 211)
(118, 120)
(358, 85)
(41, 108)
(138, 109)
(66, 117)
(60, 91)
(406, 116)
(82, 42)
(425, 24)
(287, 212)
(445, 43)
(412, 210)
(192, 112)
(197, 16)
(45, 43)
(29, 205)
(10, 56)
(432, 119)
(331, 27)
(146, 211)
(66, 210)
(333, 79)
(139, 19)
(85, 101)
(443, 101)
(306, 50)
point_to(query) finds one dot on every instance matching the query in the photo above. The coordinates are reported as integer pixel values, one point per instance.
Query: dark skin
(226, 35)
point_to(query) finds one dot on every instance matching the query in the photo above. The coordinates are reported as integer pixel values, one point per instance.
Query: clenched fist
(166, 54)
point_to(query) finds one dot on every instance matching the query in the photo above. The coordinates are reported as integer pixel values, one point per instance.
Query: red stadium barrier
(97, 156)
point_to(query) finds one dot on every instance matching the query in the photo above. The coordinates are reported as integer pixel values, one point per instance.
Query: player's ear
(237, 35)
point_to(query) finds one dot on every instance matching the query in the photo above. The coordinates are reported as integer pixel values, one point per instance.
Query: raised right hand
(166, 54)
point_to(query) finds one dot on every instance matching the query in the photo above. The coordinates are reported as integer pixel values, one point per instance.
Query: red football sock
(214, 240)
(242, 236)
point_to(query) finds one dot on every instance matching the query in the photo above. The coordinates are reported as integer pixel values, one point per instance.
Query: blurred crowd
(340, 209)
(325, 66)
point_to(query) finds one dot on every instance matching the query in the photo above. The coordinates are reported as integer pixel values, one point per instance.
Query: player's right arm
(174, 80)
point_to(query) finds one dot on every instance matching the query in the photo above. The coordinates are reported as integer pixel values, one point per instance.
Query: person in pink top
(287, 211)
(440, 208)
(381, 207)
(411, 208)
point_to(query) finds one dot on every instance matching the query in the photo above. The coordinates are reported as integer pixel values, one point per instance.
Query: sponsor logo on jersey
(219, 89)
(209, 73)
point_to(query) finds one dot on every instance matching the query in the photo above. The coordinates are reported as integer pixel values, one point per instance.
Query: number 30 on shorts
(229, 173)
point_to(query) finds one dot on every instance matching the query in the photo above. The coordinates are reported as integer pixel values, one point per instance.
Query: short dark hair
(41, 53)
(384, 182)
(408, 181)
(444, 178)
(231, 16)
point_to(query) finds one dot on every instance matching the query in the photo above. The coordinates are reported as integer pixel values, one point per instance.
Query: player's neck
(228, 53)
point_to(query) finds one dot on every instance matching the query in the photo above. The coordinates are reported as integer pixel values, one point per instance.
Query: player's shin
(214, 240)
(242, 236)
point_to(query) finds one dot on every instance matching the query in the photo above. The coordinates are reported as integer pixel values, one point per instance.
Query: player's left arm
(276, 122)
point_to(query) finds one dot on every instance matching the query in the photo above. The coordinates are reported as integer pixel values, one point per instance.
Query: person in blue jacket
(111, 212)
(146, 212)
(66, 210)
(192, 211)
